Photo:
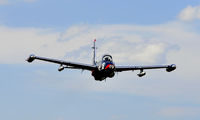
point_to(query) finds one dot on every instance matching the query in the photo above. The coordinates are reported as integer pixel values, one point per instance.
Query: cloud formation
(138, 44)
(20, 42)
(190, 13)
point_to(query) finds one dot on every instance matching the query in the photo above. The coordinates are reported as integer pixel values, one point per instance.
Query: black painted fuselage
(105, 69)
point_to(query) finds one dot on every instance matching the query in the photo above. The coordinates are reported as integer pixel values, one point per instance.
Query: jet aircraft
(102, 69)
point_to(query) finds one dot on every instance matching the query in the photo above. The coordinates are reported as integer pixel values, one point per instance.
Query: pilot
(107, 59)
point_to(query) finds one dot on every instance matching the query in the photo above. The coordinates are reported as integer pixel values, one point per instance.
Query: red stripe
(107, 66)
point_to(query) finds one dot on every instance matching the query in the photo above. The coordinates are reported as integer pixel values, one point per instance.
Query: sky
(134, 32)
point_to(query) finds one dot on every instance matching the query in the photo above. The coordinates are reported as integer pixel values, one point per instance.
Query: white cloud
(134, 48)
(19, 42)
(16, 44)
(190, 13)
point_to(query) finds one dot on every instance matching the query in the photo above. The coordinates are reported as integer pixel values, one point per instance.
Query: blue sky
(71, 12)
(134, 32)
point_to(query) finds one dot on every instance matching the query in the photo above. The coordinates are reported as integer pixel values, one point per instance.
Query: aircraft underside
(103, 74)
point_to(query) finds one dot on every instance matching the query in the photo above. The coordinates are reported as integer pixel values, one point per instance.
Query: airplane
(102, 69)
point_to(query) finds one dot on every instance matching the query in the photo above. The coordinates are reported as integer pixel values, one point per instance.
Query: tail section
(94, 53)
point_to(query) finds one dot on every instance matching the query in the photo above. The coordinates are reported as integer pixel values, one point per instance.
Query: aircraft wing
(64, 64)
(168, 68)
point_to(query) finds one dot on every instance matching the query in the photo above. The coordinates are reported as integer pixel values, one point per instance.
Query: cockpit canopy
(107, 58)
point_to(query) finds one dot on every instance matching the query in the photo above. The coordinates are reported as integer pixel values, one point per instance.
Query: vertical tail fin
(94, 53)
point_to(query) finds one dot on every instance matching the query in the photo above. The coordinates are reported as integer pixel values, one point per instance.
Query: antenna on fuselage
(94, 53)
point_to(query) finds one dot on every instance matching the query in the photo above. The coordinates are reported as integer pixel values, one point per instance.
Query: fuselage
(105, 68)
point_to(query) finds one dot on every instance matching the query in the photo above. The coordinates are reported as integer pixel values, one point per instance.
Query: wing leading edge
(72, 65)
(169, 68)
